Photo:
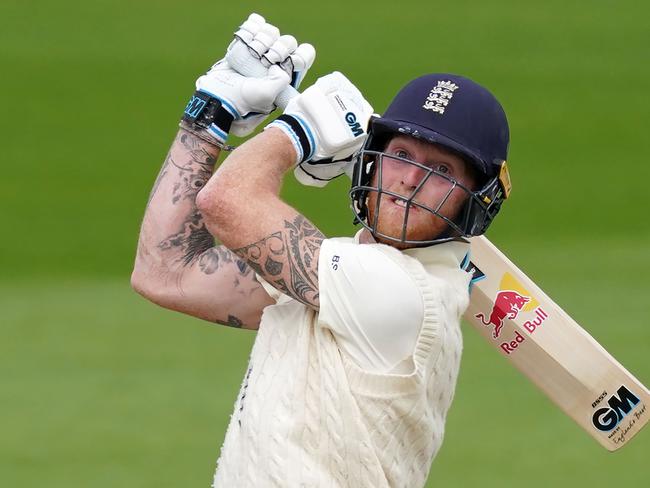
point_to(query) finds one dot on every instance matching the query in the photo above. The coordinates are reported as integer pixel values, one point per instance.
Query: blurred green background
(101, 388)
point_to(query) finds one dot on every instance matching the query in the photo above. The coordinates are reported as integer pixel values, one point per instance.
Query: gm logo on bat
(618, 407)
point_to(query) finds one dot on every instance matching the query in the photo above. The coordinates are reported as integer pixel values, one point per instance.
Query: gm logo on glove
(355, 126)
(194, 107)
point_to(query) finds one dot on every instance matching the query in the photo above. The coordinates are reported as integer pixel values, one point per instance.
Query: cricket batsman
(358, 339)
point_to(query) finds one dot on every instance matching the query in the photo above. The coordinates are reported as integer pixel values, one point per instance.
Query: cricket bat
(552, 350)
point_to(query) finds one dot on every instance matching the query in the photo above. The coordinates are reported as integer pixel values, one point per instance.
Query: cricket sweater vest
(308, 416)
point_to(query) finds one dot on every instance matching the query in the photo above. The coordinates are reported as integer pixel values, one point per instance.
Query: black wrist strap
(298, 129)
(203, 110)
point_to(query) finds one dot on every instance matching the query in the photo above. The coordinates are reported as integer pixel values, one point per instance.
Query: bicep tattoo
(288, 259)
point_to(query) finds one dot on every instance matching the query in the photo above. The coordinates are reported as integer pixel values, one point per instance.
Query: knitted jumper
(308, 416)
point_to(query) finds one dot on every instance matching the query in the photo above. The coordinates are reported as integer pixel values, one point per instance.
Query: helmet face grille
(472, 219)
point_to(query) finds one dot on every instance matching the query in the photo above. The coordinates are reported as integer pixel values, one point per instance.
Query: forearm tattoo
(190, 166)
(192, 174)
(192, 169)
(234, 322)
(175, 242)
(210, 261)
(191, 241)
(195, 171)
(288, 259)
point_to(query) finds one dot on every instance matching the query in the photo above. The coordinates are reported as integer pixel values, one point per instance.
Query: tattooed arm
(242, 207)
(178, 265)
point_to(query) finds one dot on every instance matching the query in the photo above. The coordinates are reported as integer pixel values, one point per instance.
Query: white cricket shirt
(371, 305)
(325, 403)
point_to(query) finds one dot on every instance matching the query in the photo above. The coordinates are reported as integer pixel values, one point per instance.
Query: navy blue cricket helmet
(463, 117)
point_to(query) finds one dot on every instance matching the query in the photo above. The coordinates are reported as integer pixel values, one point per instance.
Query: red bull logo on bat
(507, 303)
(511, 300)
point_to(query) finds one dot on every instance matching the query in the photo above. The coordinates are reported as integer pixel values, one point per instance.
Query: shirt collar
(452, 252)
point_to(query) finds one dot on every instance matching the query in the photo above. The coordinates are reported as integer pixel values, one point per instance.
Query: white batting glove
(245, 99)
(328, 121)
(239, 91)
(258, 45)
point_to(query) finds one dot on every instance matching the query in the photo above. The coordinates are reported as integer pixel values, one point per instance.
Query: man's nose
(412, 176)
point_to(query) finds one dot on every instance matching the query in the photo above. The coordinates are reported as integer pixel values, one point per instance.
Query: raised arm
(178, 263)
(242, 206)
(241, 203)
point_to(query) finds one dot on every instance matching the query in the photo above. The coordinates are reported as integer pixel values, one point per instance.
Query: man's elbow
(138, 282)
(218, 206)
(206, 202)
(151, 289)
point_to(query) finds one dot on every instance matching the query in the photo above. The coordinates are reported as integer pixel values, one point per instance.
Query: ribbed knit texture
(307, 416)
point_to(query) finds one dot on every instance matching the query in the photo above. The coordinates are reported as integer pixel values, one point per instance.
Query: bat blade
(552, 350)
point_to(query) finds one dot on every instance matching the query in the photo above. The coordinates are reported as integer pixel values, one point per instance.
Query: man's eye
(401, 154)
(442, 168)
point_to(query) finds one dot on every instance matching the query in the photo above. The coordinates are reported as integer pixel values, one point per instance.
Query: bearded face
(403, 181)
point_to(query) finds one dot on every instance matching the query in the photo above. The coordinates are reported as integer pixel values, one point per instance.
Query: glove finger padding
(242, 60)
(281, 50)
(264, 39)
(250, 27)
(252, 41)
(239, 91)
(247, 56)
(327, 121)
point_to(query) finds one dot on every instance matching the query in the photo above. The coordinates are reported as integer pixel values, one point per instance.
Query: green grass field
(101, 388)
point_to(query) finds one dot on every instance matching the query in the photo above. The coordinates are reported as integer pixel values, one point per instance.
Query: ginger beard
(422, 224)
(402, 178)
